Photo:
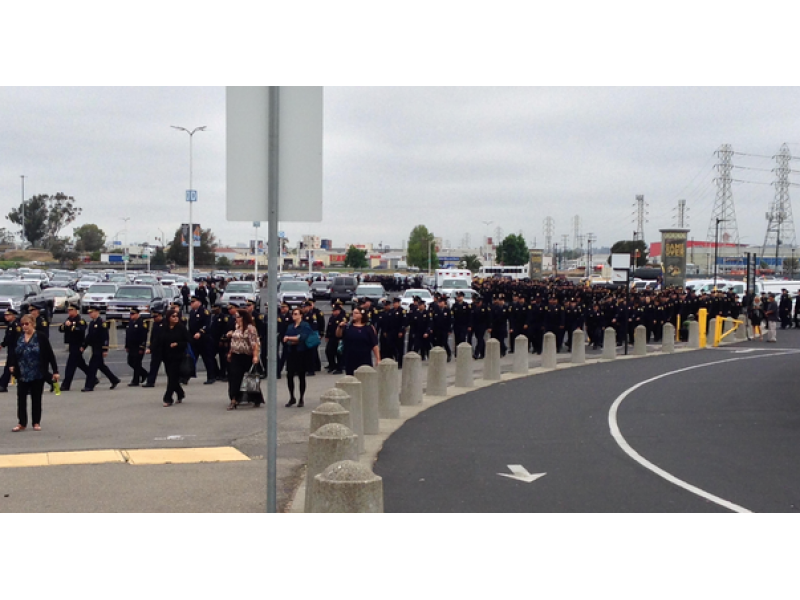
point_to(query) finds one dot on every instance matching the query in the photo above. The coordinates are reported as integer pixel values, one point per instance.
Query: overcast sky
(395, 157)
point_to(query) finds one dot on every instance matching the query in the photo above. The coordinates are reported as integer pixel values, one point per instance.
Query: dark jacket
(46, 357)
(177, 334)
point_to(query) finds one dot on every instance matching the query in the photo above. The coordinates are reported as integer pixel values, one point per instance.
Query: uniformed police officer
(481, 322)
(43, 327)
(74, 330)
(217, 329)
(135, 346)
(154, 348)
(441, 325)
(462, 317)
(399, 320)
(97, 340)
(13, 331)
(332, 344)
(199, 322)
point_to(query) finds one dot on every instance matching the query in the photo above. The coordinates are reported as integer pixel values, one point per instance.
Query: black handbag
(186, 370)
(251, 382)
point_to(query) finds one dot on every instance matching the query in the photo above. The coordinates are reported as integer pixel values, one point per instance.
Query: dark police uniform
(135, 346)
(97, 340)
(199, 323)
(74, 331)
(481, 322)
(156, 358)
(13, 331)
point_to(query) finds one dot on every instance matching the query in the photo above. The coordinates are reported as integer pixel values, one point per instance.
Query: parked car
(239, 292)
(19, 295)
(62, 297)
(85, 282)
(293, 293)
(408, 297)
(370, 291)
(344, 289)
(147, 298)
(98, 296)
(321, 290)
(469, 296)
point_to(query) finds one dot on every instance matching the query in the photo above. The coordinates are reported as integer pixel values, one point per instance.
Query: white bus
(520, 272)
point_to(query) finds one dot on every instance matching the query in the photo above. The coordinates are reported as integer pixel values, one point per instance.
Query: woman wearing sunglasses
(174, 340)
(29, 363)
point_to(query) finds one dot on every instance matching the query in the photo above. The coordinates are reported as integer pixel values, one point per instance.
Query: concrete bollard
(741, 331)
(578, 347)
(668, 339)
(549, 360)
(388, 389)
(712, 328)
(465, 378)
(113, 338)
(437, 373)
(520, 366)
(329, 444)
(348, 487)
(340, 397)
(369, 399)
(694, 334)
(640, 341)
(491, 362)
(352, 386)
(329, 412)
(411, 381)
(609, 344)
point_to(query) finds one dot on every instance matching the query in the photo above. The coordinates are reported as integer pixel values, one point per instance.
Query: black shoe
(3, 390)
(115, 384)
(279, 376)
(87, 389)
(131, 384)
(337, 372)
(64, 389)
(291, 402)
(52, 389)
(300, 404)
(209, 381)
(147, 385)
(310, 374)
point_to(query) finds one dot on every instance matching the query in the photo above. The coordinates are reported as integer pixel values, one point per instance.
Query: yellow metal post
(678, 330)
(702, 319)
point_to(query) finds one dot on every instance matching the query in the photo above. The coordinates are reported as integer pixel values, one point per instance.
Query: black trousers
(221, 359)
(173, 369)
(34, 389)
(480, 343)
(96, 363)
(332, 355)
(459, 336)
(202, 349)
(387, 345)
(155, 365)
(135, 358)
(75, 361)
(239, 365)
(399, 349)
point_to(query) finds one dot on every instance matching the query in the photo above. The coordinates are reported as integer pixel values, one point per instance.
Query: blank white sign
(299, 160)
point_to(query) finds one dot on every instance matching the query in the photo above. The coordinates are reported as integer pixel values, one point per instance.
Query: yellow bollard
(718, 331)
(678, 330)
(702, 320)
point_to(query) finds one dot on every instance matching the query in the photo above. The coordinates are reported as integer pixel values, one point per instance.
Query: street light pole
(191, 202)
(486, 240)
(716, 248)
(126, 253)
(23, 210)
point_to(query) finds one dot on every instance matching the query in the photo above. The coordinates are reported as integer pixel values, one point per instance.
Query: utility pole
(549, 232)
(23, 211)
(724, 211)
(590, 239)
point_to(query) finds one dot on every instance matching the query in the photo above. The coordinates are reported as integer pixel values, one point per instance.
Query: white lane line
(622, 443)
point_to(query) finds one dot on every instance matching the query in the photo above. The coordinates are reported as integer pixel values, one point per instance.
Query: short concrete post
(640, 341)
(465, 378)
(549, 360)
(329, 412)
(694, 334)
(741, 331)
(113, 339)
(609, 344)
(411, 382)
(437, 373)
(520, 366)
(578, 347)
(668, 339)
(369, 398)
(710, 336)
(340, 397)
(352, 386)
(388, 389)
(329, 444)
(348, 487)
(491, 362)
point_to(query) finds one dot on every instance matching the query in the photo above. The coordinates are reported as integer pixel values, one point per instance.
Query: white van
(774, 286)
(442, 274)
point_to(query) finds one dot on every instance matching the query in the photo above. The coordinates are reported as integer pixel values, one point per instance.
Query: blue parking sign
(191, 195)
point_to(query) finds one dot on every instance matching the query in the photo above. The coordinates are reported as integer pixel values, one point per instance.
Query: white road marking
(520, 473)
(618, 437)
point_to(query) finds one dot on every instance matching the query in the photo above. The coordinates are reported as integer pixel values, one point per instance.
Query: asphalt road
(715, 431)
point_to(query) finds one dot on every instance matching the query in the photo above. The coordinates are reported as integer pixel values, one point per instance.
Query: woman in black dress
(174, 340)
(298, 360)
(360, 343)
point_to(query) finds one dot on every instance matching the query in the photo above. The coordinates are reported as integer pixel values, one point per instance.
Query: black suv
(344, 289)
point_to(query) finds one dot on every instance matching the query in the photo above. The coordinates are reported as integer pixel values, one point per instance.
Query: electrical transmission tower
(723, 225)
(641, 218)
(498, 235)
(780, 222)
(682, 219)
(590, 239)
(549, 232)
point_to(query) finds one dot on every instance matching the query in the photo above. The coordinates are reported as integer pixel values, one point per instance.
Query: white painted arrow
(520, 473)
